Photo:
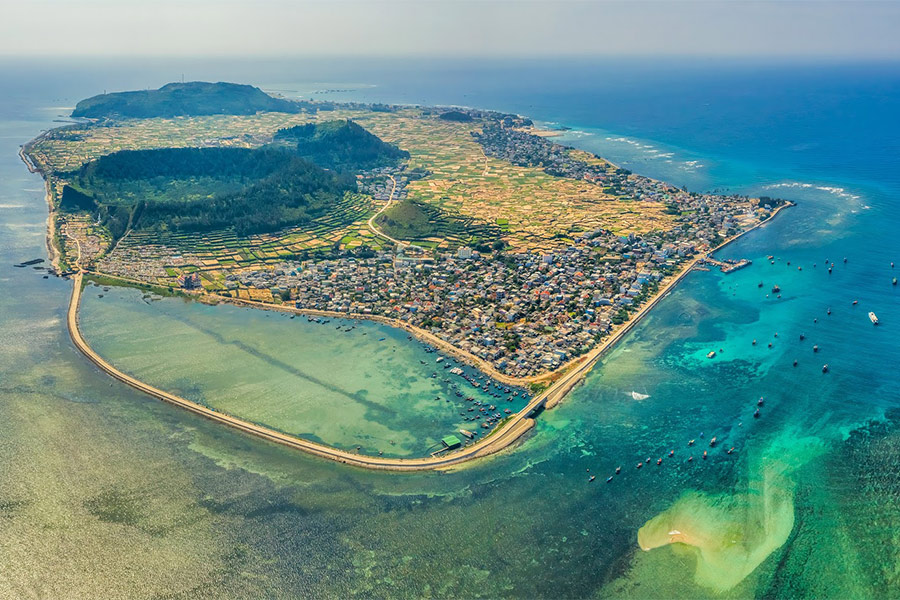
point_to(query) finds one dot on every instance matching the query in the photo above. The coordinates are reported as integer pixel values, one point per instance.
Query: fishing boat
(775, 289)
(815, 348)
(467, 433)
(712, 354)
(618, 470)
(712, 442)
(825, 368)
(704, 455)
(691, 443)
(608, 479)
(659, 462)
(593, 477)
(855, 302)
(756, 414)
(873, 318)
(639, 465)
(638, 396)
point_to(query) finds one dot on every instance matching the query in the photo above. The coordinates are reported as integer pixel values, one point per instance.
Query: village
(525, 306)
(525, 313)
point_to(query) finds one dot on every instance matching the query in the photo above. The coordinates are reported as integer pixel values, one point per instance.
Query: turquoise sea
(106, 493)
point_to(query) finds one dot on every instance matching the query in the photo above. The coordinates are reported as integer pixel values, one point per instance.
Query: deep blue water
(824, 135)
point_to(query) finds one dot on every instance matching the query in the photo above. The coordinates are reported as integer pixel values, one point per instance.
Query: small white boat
(638, 396)
(873, 318)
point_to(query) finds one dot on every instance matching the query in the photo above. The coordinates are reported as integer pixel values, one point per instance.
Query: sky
(493, 28)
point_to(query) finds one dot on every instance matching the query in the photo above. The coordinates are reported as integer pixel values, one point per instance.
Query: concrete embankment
(511, 431)
(508, 434)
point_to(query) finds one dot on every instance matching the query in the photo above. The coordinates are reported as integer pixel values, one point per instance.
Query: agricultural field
(536, 210)
(471, 192)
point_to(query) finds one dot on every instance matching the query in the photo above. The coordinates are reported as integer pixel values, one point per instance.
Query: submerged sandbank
(732, 534)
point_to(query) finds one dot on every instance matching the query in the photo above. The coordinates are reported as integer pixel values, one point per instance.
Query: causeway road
(511, 430)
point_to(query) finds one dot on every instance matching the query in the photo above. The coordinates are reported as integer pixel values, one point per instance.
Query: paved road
(506, 435)
(371, 221)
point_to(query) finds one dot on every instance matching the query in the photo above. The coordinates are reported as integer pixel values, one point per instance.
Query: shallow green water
(345, 383)
(107, 493)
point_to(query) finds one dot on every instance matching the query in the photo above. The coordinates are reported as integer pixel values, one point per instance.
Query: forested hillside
(342, 145)
(185, 99)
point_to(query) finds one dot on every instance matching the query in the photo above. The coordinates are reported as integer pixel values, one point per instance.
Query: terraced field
(471, 197)
(213, 255)
(536, 210)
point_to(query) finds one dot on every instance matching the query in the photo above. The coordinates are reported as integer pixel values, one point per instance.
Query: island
(470, 229)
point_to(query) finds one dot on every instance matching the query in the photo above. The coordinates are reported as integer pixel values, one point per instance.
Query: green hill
(412, 220)
(455, 115)
(203, 189)
(342, 145)
(185, 99)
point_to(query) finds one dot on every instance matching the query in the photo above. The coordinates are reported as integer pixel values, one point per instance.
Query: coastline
(481, 364)
(53, 252)
(570, 375)
(557, 382)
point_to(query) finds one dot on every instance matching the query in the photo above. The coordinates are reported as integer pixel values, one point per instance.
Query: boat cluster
(486, 414)
(777, 290)
(760, 403)
(713, 443)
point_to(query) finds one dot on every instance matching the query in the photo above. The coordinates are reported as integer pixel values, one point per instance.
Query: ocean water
(104, 492)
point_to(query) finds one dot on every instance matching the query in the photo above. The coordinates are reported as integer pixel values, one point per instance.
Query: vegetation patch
(414, 220)
(341, 145)
(181, 99)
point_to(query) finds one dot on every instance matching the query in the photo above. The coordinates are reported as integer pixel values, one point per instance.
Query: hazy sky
(448, 27)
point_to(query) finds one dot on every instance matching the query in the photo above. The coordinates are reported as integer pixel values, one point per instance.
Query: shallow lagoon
(342, 382)
(105, 492)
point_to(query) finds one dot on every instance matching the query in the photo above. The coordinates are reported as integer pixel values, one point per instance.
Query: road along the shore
(511, 430)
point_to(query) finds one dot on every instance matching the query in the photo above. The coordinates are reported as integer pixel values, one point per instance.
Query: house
(189, 281)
